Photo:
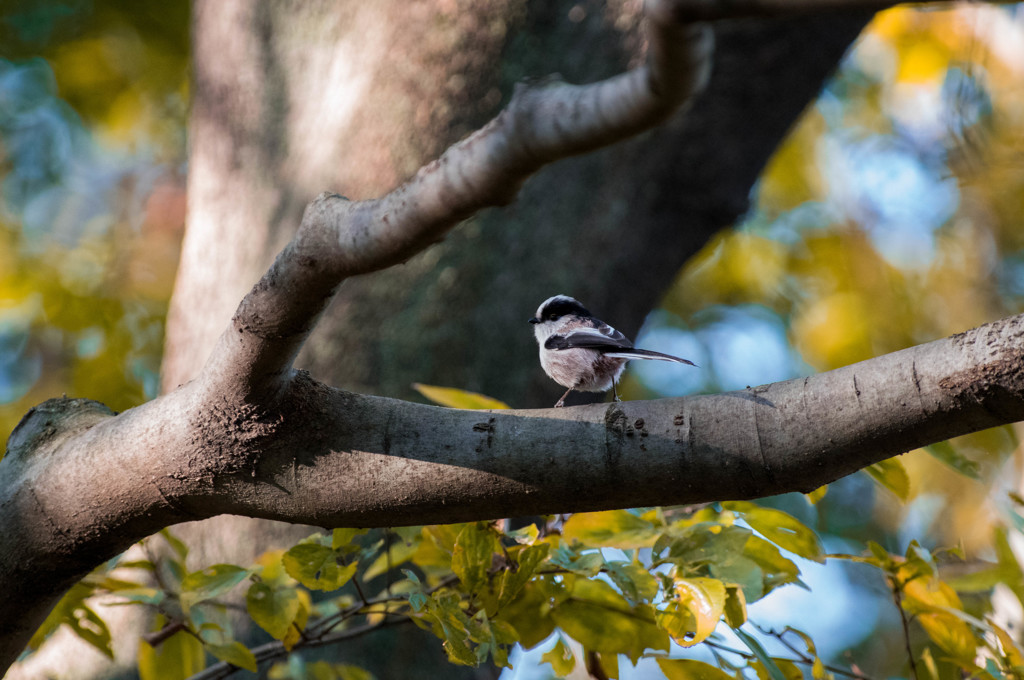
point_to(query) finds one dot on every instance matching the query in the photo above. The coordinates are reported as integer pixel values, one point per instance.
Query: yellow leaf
(179, 656)
(834, 330)
(693, 618)
(236, 654)
(922, 62)
(294, 633)
(735, 606)
(1009, 647)
(613, 529)
(561, 659)
(688, 669)
(892, 475)
(781, 528)
(601, 620)
(816, 495)
(456, 398)
(928, 598)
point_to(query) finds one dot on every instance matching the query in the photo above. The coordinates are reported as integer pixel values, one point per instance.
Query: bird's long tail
(646, 354)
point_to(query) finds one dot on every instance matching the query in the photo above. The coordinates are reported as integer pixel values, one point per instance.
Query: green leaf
(272, 609)
(472, 555)
(893, 476)
(511, 582)
(527, 535)
(316, 567)
(341, 538)
(881, 555)
(777, 569)
(688, 669)
(528, 612)
(634, 580)
(613, 528)
(400, 552)
(735, 606)
(179, 548)
(560, 657)
(210, 582)
(602, 621)
(88, 625)
(492, 637)
(588, 565)
(451, 626)
(456, 398)
(236, 654)
(781, 528)
(770, 667)
(350, 672)
(945, 452)
(788, 669)
(732, 554)
(178, 657)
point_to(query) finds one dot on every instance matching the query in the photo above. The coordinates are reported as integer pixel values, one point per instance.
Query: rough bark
(322, 456)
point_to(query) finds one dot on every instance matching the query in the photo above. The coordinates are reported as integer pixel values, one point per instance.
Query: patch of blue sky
(886, 187)
(60, 183)
(1010, 277)
(734, 347)
(967, 100)
(20, 366)
(791, 226)
(920, 516)
(90, 343)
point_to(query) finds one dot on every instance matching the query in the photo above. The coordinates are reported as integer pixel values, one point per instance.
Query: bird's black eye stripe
(559, 308)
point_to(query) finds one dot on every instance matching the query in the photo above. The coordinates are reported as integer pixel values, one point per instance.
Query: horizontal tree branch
(330, 458)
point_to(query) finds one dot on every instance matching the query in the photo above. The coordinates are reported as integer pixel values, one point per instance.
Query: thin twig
(809, 660)
(156, 638)
(897, 598)
(801, 659)
(594, 667)
(273, 650)
(329, 622)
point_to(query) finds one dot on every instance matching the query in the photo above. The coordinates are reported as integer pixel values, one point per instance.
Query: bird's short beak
(534, 320)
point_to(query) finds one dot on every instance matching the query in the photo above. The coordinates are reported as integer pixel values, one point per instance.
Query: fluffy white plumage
(581, 352)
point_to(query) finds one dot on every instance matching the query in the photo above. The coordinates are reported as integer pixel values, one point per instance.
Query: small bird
(581, 352)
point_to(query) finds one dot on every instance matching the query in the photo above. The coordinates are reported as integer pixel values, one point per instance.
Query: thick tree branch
(331, 458)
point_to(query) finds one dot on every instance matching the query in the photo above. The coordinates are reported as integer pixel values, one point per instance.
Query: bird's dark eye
(552, 317)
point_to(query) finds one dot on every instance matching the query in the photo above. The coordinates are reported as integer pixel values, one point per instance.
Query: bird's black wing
(603, 338)
(609, 342)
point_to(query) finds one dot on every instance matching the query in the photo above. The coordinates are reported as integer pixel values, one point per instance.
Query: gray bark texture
(295, 98)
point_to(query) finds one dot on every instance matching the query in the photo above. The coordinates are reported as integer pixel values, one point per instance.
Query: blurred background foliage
(93, 99)
(890, 217)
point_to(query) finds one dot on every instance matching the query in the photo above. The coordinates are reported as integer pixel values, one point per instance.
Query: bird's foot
(560, 403)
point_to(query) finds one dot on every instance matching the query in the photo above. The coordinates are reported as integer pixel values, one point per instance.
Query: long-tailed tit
(583, 353)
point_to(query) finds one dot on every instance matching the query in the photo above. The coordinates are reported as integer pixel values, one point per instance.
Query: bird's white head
(554, 313)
